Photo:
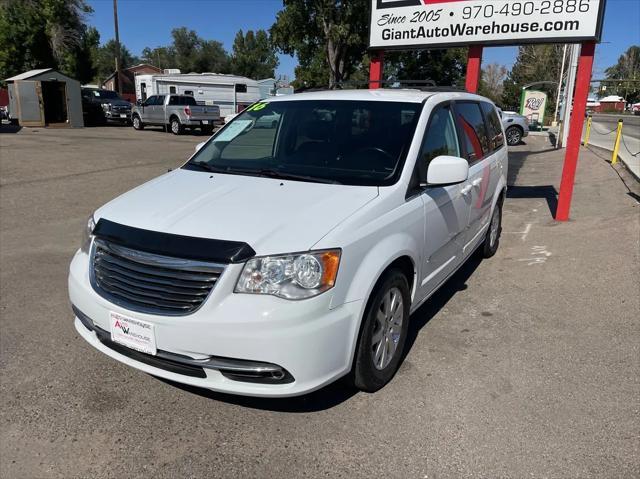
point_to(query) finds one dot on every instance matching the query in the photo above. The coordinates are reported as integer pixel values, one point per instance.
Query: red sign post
(583, 80)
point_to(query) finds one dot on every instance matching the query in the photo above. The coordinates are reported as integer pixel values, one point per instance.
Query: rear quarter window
(474, 132)
(494, 127)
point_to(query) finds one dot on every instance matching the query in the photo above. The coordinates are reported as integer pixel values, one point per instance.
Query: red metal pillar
(583, 79)
(474, 63)
(376, 67)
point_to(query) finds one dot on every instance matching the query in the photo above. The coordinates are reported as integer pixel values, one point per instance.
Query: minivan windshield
(330, 141)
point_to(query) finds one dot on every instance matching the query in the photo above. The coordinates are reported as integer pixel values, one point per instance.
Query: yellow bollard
(616, 148)
(588, 134)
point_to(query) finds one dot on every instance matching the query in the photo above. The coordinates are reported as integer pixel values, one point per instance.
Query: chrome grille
(151, 283)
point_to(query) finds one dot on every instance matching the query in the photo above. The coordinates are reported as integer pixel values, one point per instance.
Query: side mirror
(447, 170)
(139, 102)
(200, 145)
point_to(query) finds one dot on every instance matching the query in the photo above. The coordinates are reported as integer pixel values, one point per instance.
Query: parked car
(284, 255)
(101, 106)
(177, 112)
(516, 126)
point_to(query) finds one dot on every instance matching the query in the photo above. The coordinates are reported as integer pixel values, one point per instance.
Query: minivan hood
(271, 215)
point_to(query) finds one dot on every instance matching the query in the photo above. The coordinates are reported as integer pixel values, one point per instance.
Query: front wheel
(383, 333)
(176, 127)
(514, 135)
(137, 123)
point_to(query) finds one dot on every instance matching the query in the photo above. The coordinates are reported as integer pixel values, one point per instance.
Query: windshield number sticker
(258, 106)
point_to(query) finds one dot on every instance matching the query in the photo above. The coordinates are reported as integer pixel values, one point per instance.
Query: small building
(612, 103)
(45, 97)
(128, 79)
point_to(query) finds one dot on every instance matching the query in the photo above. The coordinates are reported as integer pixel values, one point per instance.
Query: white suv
(291, 251)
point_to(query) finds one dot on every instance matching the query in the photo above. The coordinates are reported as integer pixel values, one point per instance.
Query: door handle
(466, 189)
(476, 182)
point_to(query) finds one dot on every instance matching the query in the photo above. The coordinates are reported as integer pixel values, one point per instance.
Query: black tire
(137, 123)
(514, 135)
(365, 375)
(176, 127)
(491, 241)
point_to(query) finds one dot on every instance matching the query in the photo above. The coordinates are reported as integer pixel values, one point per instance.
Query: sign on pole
(533, 106)
(410, 24)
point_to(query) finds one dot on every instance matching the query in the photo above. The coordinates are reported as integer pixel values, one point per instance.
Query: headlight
(290, 276)
(86, 234)
(106, 106)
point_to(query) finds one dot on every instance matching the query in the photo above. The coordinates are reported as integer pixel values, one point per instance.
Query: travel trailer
(231, 93)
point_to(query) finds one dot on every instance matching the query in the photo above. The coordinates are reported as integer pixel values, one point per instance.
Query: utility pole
(555, 114)
(115, 23)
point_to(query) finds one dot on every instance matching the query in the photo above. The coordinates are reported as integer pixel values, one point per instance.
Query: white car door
(446, 208)
(483, 177)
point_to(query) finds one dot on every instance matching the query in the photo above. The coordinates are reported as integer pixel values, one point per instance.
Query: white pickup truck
(177, 112)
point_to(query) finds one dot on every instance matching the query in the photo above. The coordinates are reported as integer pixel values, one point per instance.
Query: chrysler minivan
(291, 249)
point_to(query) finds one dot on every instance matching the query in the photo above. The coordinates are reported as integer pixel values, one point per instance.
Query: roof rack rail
(422, 85)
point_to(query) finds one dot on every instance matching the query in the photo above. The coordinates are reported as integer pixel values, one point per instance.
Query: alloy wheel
(387, 328)
(494, 227)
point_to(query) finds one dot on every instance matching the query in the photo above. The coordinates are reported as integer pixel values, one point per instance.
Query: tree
(253, 55)
(444, 67)
(189, 53)
(627, 68)
(492, 82)
(534, 63)
(105, 60)
(46, 34)
(329, 37)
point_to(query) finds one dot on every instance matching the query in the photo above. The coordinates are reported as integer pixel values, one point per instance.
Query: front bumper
(312, 343)
(117, 115)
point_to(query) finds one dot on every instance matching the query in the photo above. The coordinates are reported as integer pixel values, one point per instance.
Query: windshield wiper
(282, 175)
(265, 172)
(214, 169)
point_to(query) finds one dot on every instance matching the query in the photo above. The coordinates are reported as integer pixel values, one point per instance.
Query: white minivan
(292, 247)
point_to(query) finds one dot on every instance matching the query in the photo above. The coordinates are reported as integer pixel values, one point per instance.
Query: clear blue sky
(149, 23)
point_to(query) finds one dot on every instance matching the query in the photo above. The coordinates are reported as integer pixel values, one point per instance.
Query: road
(631, 123)
(525, 365)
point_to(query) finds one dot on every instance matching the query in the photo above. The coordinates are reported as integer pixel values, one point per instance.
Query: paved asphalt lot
(525, 365)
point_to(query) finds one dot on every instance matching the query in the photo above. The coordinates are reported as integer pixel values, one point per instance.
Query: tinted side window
(159, 100)
(441, 138)
(150, 101)
(174, 100)
(474, 133)
(494, 126)
(188, 100)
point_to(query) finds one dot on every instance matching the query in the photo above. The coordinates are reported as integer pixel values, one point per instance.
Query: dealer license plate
(122, 115)
(133, 333)
(205, 122)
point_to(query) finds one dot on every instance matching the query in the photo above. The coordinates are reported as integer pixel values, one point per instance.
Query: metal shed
(45, 97)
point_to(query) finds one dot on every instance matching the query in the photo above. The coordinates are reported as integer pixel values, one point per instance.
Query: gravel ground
(525, 365)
